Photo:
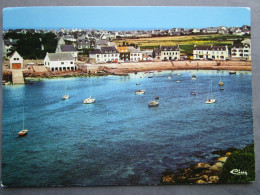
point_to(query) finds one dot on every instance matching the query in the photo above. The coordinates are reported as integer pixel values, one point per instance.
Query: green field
(186, 43)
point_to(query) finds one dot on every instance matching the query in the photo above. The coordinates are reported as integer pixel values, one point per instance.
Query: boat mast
(23, 117)
(211, 90)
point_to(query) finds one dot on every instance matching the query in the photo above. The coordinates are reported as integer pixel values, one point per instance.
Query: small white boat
(89, 100)
(142, 76)
(193, 77)
(66, 96)
(23, 132)
(138, 92)
(153, 103)
(178, 81)
(193, 93)
(178, 74)
(210, 101)
(150, 76)
(169, 77)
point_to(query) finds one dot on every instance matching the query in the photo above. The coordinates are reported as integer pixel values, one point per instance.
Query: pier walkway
(17, 76)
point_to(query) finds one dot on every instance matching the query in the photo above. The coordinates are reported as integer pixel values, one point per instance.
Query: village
(101, 52)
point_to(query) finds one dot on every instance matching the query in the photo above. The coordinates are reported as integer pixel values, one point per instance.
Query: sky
(124, 18)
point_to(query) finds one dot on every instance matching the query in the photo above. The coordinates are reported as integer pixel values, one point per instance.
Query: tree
(34, 45)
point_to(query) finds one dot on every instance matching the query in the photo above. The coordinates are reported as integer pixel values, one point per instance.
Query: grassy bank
(239, 167)
(186, 42)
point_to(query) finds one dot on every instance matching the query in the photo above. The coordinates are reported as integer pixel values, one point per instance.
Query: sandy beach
(175, 65)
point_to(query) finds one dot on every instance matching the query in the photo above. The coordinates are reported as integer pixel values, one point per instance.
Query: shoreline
(216, 170)
(123, 69)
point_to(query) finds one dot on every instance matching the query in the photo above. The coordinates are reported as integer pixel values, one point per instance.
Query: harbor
(120, 140)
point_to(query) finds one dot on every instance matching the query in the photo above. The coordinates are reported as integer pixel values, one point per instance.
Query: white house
(170, 53)
(59, 62)
(104, 54)
(135, 54)
(206, 52)
(241, 51)
(16, 61)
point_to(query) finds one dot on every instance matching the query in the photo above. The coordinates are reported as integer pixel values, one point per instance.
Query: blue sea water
(119, 140)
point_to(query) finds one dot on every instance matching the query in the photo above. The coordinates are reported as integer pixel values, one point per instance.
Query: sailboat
(154, 102)
(220, 82)
(210, 100)
(89, 100)
(66, 96)
(23, 132)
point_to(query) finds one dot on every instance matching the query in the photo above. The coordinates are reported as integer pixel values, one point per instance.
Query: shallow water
(119, 140)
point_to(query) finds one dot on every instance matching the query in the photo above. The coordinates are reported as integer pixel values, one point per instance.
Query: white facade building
(241, 52)
(170, 53)
(135, 54)
(105, 54)
(59, 62)
(210, 53)
(16, 61)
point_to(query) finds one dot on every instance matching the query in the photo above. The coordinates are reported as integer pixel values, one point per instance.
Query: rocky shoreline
(200, 173)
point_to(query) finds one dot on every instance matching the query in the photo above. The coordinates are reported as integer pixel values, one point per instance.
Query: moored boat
(138, 92)
(210, 100)
(232, 72)
(66, 96)
(23, 132)
(153, 103)
(89, 100)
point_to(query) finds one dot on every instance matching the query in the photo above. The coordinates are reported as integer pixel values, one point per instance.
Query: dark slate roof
(208, 47)
(60, 56)
(104, 50)
(169, 48)
(215, 47)
(95, 51)
(67, 48)
(109, 50)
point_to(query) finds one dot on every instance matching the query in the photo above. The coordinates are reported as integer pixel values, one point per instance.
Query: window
(97, 56)
(17, 58)
(105, 55)
(62, 62)
(71, 62)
